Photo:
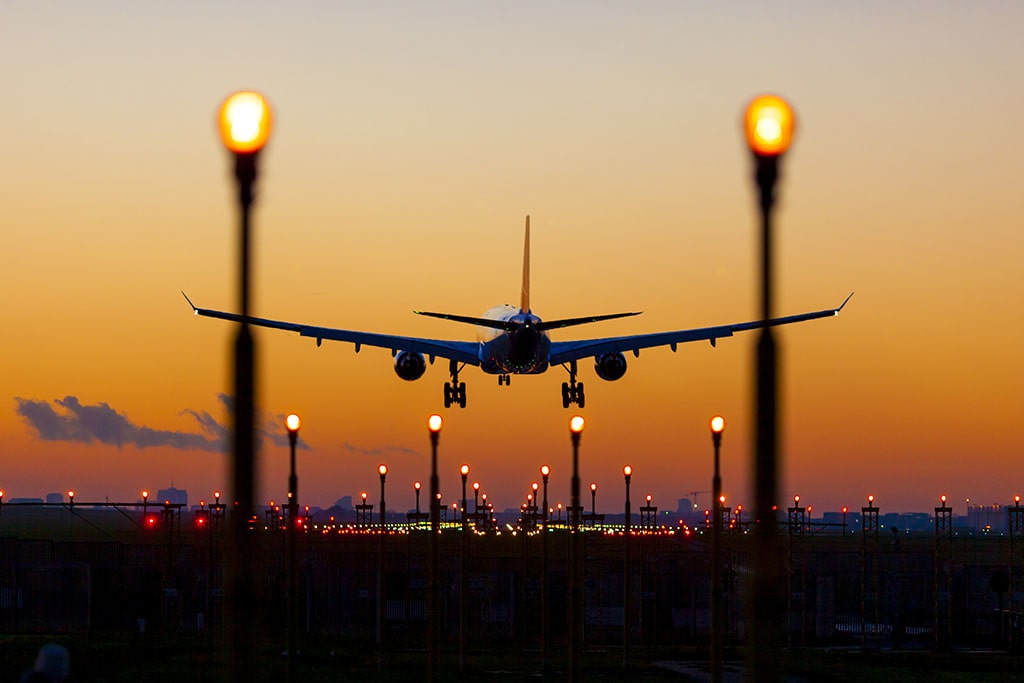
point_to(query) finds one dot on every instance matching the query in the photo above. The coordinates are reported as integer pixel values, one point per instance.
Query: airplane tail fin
(524, 302)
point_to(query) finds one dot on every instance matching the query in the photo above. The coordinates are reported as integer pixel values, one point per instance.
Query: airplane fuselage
(523, 351)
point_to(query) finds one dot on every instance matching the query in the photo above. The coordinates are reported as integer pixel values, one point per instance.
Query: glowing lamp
(476, 486)
(244, 121)
(718, 424)
(293, 422)
(871, 499)
(627, 471)
(768, 124)
(464, 470)
(545, 470)
(434, 423)
(943, 498)
(382, 470)
(593, 487)
(576, 424)
(417, 485)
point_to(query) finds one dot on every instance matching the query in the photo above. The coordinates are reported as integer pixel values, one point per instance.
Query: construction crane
(693, 497)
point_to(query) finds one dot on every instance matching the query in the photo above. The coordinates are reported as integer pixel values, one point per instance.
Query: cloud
(69, 420)
(381, 450)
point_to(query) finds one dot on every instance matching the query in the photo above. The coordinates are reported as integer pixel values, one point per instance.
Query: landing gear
(572, 391)
(504, 379)
(454, 391)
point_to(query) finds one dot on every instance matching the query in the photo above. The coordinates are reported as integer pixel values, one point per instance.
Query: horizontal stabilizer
(483, 322)
(569, 322)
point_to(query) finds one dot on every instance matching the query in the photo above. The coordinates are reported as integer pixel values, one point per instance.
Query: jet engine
(409, 365)
(610, 366)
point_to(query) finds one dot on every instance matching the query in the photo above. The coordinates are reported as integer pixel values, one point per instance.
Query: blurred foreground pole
(576, 424)
(244, 122)
(768, 124)
(434, 423)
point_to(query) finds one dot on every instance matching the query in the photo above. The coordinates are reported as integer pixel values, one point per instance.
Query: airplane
(512, 340)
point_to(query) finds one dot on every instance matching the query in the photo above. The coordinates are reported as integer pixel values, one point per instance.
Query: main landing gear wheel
(504, 379)
(572, 391)
(454, 391)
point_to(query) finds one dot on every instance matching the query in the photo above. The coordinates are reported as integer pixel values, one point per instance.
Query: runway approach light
(576, 424)
(245, 122)
(293, 422)
(768, 124)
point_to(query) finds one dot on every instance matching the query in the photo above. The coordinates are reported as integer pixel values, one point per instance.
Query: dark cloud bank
(68, 419)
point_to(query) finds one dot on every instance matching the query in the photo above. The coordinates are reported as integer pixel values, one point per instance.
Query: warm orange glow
(476, 486)
(363, 494)
(768, 124)
(545, 470)
(71, 494)
(434, 423)
(721, 499)
(943, 498)
(535, 486)
(627, 470)
(871, 499)
(244, 121)
(845, 509)
(718, 424)
(382, 470)
(145, 495)
(593, 487)
(293, 422)
(216, 494)
(648, 498)
(417, 485)
(796, 499)
(464, 470)
(576, 423)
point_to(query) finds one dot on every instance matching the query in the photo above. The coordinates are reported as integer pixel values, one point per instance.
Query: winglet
(524, 302)
(194, 309)
(844, 303)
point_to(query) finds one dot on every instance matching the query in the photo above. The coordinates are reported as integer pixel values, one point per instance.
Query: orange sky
(411, 141)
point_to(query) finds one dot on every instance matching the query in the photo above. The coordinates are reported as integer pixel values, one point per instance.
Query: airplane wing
(563, 352)
(463, 352)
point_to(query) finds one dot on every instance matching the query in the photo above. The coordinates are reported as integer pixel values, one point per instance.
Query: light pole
(717, 427)
(434, 423)
(382, 470)
(244, 121)
(627, 588)
(292, 423)
(768, 125)
(417, 486)
(463, 574)
(593, 501)
(576, 424)
(545, 472)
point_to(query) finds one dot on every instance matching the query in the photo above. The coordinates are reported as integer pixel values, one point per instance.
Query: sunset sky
(410, 141)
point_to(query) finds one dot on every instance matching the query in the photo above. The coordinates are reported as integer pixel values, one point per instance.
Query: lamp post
(593, 501)
(244, 121)
(417, 486)
(463, 574)
(576, 424)
(292, 423)
(434, 423)
(545, 472)
(768, 124)
(717, 427)
(627, 588)
(476, 504)
(145, 505)
(382, 470)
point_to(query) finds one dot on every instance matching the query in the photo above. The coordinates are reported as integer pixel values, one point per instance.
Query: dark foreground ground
(183, 660)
